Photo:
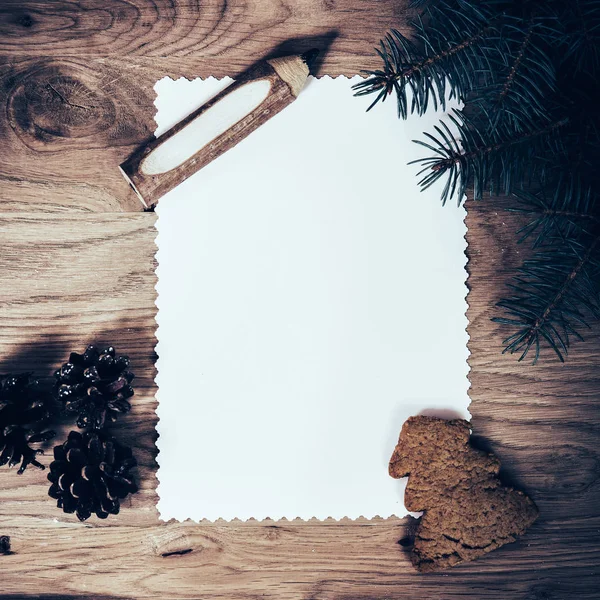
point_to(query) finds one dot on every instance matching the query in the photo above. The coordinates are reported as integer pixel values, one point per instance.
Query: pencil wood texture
(216, 126)
(77, 266)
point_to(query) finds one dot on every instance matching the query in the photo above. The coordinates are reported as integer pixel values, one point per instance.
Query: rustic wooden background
(77, 265)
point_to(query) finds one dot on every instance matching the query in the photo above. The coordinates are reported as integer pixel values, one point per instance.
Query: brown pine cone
(24, 410)
(90, 474)
(95, 385)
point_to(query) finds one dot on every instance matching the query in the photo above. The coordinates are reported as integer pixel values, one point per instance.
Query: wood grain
(76, 268)
(220, 36)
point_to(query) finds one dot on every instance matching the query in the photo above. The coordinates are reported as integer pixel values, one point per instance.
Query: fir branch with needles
(454, 33)
(552, 296)
(581, 20)
(527, 72)
(491, 158)
(522, 77)
(568, 211)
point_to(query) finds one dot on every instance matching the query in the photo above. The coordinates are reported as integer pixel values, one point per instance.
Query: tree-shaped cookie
(467, 510)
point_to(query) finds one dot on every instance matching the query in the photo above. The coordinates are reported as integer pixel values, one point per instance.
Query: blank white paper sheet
(310, 300)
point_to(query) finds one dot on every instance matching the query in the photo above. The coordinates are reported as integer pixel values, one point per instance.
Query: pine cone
(95, 385)
(90, 474)
(23, 411)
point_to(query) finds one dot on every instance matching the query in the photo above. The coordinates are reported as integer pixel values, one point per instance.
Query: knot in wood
(56, 105)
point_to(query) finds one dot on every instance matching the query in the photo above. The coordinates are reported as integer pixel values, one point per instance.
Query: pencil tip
(309, 56)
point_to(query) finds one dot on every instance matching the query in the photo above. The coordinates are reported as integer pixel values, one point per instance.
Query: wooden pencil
(215, 127)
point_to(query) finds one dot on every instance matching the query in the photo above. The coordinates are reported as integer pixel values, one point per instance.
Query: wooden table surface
(77, 266)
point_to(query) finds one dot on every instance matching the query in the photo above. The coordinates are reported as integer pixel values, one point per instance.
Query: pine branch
(490, 158)
(571, 211)
(523, 77)
(451, 33)
(581, 22)
(554, 295)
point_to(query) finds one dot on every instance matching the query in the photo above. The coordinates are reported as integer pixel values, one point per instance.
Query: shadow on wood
(298, 45)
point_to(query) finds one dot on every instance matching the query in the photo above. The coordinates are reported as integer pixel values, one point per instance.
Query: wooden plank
(215, 37)
(283, 561)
